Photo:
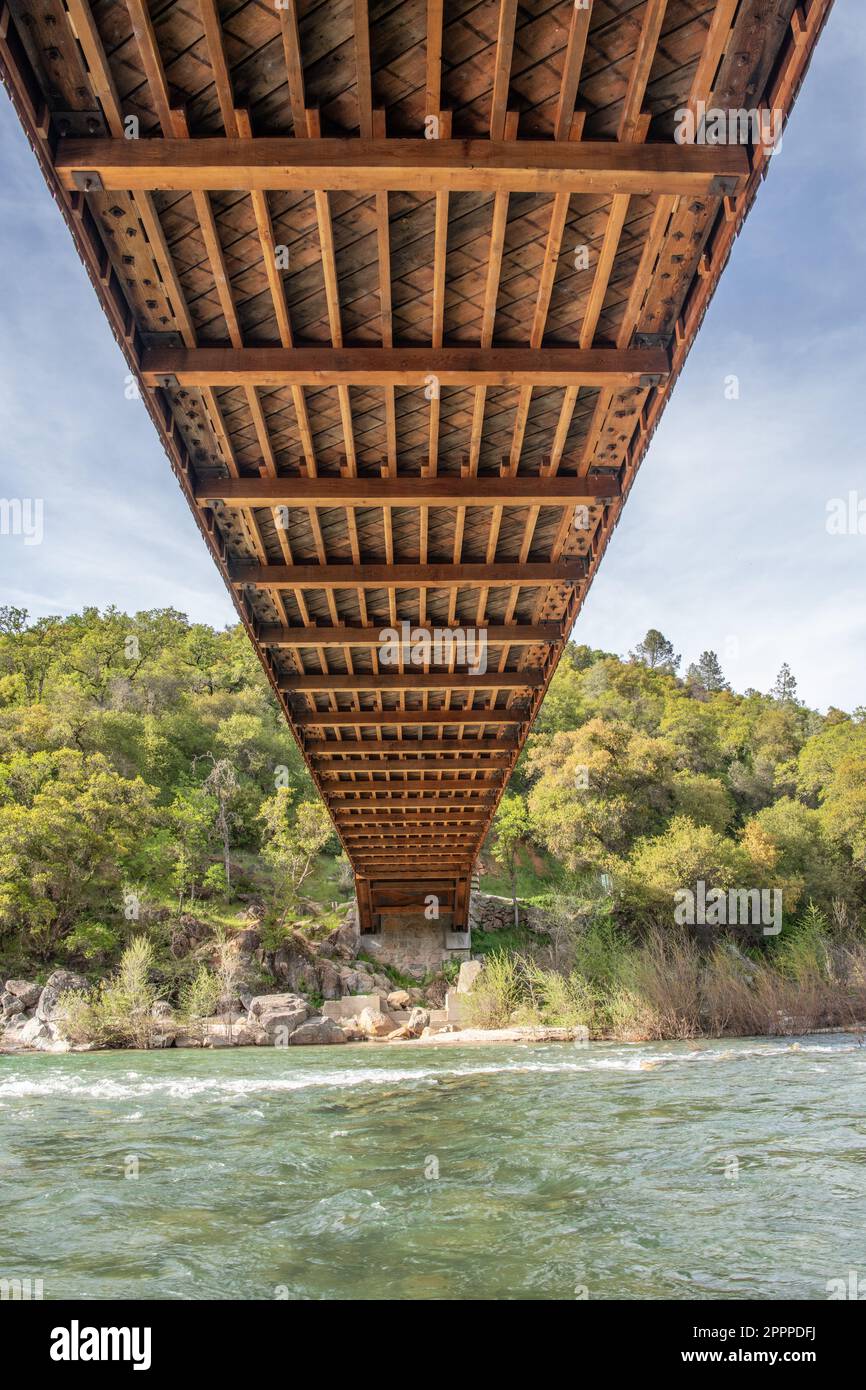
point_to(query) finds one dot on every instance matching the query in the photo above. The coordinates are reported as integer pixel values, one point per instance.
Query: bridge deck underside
(405, 291)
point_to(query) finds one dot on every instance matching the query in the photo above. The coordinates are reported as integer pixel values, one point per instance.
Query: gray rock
(59, 982)
(35, 1033)
(162, 1009)
(262, 1004)
(399, 999)
(317, 1032)
(469, 972)
(329, 980)
(419, 1019)
(13, 1007)
(25, 991)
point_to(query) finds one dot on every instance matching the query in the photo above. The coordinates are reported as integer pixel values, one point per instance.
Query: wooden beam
(274, 163)
(434, 576)
(409, 716)
(515, 634)
(427, 765)
(271, 366)
(466, 748)
(415, 680)
(528, 489)
(484, 790)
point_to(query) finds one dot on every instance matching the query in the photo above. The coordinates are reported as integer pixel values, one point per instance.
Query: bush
(120, 1012)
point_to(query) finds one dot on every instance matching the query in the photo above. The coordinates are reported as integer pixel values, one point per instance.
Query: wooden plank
(274, 163)
(442, 491)
(272, 366)
(396, 717)
(433, 576)
(467, 748)
(516, 634)
(428, 764)
(415, 680)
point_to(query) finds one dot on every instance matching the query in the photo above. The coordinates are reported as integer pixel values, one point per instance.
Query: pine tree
(707, 673)
(785, 688)
(656, 652)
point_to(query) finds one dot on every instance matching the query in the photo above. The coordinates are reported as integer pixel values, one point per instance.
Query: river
(714, 1169)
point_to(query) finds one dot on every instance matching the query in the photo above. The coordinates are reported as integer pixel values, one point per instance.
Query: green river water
(716, 1169)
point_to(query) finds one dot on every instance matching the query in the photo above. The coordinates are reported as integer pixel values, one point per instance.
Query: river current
(715, 1169)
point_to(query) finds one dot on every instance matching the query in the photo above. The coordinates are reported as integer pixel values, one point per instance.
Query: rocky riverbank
(305, 993)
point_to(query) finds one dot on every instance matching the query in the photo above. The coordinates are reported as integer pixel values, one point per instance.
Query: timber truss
(405, 292)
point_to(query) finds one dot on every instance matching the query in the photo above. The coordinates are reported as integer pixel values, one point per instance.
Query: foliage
(119, 1013)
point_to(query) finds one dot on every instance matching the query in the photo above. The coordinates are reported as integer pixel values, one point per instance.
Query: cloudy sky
(724, 542)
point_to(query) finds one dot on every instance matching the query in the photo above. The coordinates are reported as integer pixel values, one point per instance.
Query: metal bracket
(168, 382)
(723, 186)
(79, 125)
(171, 339)
(87, 181)
(651, 340)
(648, 379)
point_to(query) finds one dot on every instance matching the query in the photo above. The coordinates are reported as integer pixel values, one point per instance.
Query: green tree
(707, 673)
(656, 652)
(511, 830)
(69, 826)
(291, 842)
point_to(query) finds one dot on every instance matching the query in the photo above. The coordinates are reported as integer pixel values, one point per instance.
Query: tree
(291, 844)
(785, 688)
(707, 673)
(656, 652)
(69, 828)
(511, 830)
(222, 783)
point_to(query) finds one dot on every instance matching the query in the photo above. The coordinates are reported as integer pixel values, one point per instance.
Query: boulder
(375, 1024)
(10, 1006)
(247, 942)
(261, 1004)
(294, 965)
(25, 991)
(400, 1033)
(329, 980)
(344, 940)
(355, 981)
(419, 1019)
(222, 1032)
(351, 1031)
(317, 1032)
(469, 972)
(34, 1033)
(278, 1015)
(162, 1009)
(399, 999)
(59, 982)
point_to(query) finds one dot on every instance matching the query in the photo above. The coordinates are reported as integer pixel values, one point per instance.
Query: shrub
(120, 1012)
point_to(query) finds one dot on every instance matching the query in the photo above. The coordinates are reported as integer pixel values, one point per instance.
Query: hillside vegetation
(146, 772)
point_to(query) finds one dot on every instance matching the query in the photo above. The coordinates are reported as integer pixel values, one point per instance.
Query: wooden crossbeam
(441, 491)
(407, 366)
(516, 634)
(397, 717)
(415, 680)
(388, 789)
(274, 163)
(434, 576)
(428, 763)
(465, 748)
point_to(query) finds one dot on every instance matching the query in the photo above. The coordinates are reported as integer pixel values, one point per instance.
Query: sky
(724, 543)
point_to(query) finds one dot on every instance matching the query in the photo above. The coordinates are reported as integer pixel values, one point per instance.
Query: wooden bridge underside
(405, 288)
